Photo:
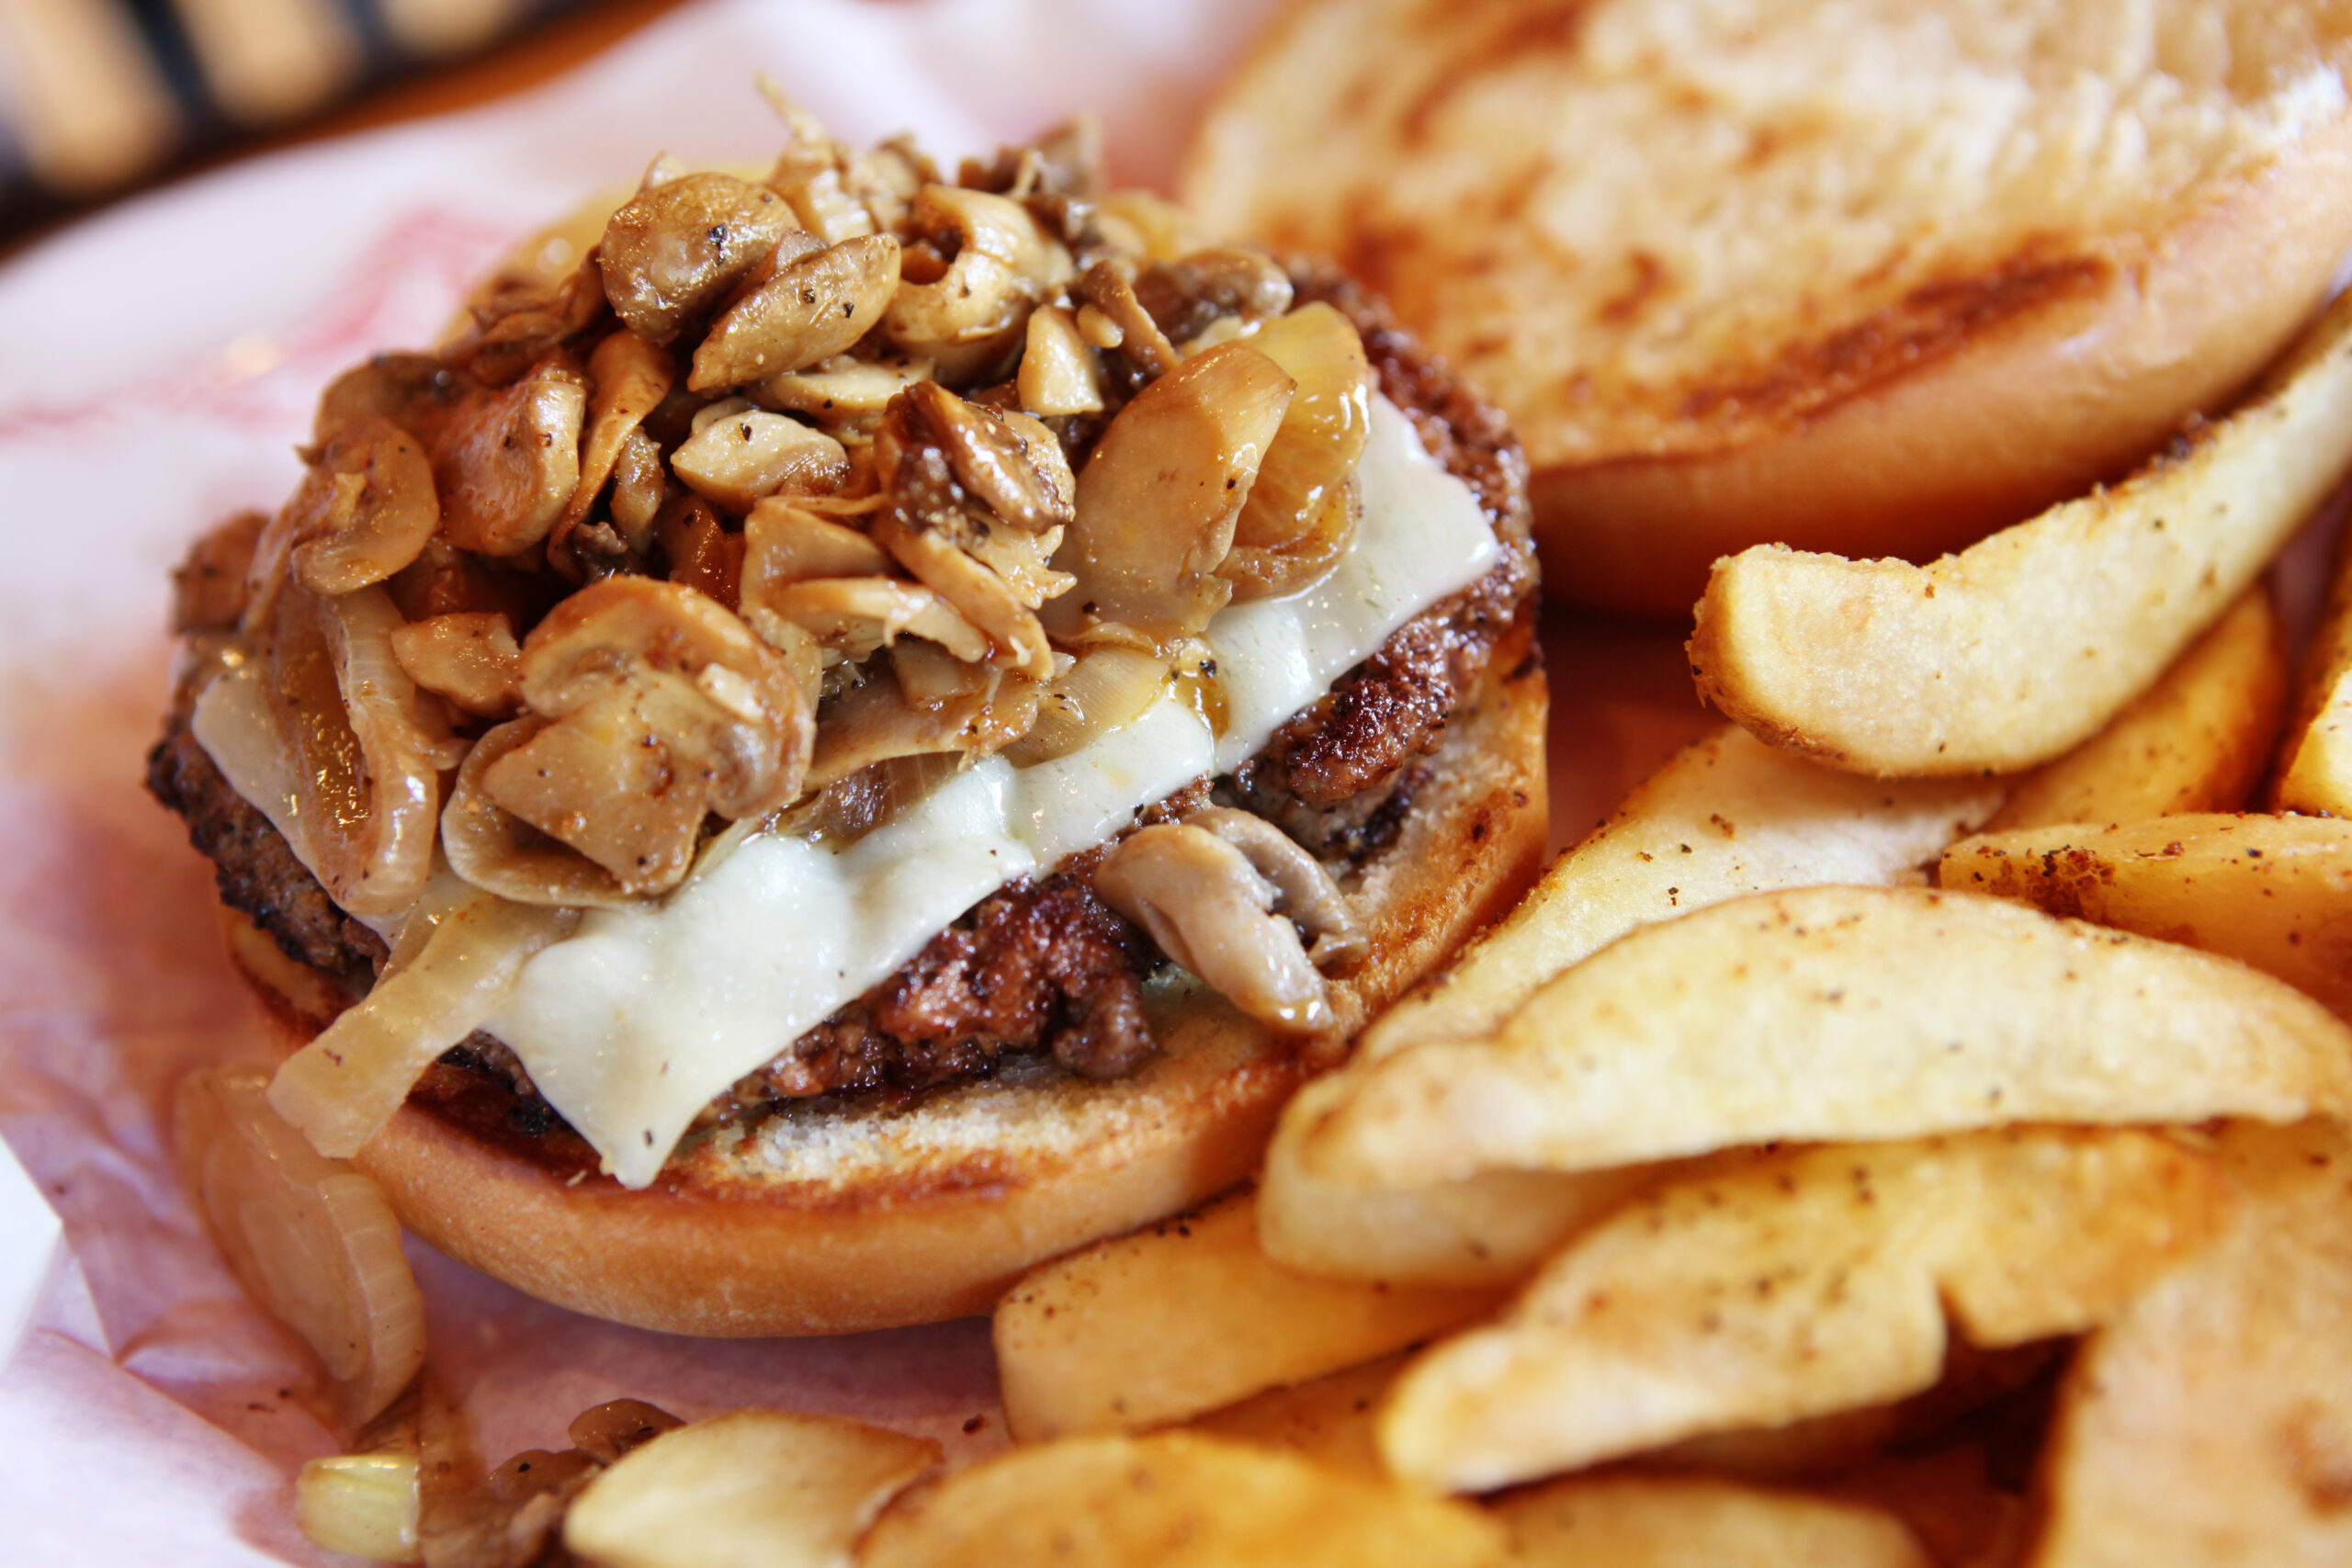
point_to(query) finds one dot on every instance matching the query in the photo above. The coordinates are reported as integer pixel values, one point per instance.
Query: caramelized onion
(366, 774)
(309, 1238)
(1107, 688)
(1301, 514)
(469, 659)
(877, 722)
(344, 1085)
(1157, 502)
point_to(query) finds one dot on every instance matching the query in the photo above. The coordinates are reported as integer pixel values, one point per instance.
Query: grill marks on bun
(1875, 288)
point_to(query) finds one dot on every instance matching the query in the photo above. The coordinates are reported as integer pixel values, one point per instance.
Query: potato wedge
(1725, 816)
(2004, 656)
(1327, 1420)
(2197, 741)
(1809, 1283)
(758, 1488)
(2314, 771)
(2271, 891)
(2212, 1422)
(1186, 1316)
(1173, 1499)
(1839, 1013)
(1688, 1521)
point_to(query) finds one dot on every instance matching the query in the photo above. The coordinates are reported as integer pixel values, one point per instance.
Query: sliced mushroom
(840, 390)
(1108, 290)
(811, 311)
(1208, 910)
(1304, 889)
(667, 709)
(415, 391)
(982, 596)
(809, 174)
(366, 764)
(363, 511)
(508, 462)
(492, 849)
(1185, 295)
(855, 615)
(632, 377)
(741, 455)
(516, 324)
(1008, 461)
(469, 659)
(1057, 374)
(998, 265)
(1141, 223)
(1157, 502)
(674, 250)
(640, 484)
(784, 545)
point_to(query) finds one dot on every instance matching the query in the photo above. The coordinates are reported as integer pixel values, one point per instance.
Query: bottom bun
(825, 1218)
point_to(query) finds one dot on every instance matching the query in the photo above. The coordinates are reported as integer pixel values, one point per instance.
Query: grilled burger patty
(1039, 964)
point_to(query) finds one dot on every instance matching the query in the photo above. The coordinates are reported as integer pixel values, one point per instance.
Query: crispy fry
(2212, 1421)
(2006, 654)
(1186, 1316)
(2197, 741)
(2315, 756)
(1659, 1521)
(1174, 1499)
(1807, 1283)
(2271, 891)
(1726, 815)
(1834, 1012)
(1327, 1420)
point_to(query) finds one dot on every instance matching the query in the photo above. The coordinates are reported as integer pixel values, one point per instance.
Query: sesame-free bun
(824, 1219)
(1875, 282)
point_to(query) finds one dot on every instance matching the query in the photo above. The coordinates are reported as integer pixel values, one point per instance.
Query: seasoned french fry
(2315, 755)
(2197, 741)
(1186, 1316)
(2272, 891)
(2212, 1422)
(1809, 1282)
(1726, 815)
(1683, 1521)
(1174, 1499)
(755, 1488)
(1839, 1013)
(1327, 1420)
(2004, 656)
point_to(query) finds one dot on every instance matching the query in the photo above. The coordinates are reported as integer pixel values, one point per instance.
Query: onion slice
(309, 1238)
(344, 1085)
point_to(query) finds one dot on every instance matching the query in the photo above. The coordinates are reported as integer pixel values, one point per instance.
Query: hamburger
(851, 729)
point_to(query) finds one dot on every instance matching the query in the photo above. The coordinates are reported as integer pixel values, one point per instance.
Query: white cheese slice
(630, 1026)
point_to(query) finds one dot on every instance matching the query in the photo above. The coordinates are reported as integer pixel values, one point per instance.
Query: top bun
(1875, 282)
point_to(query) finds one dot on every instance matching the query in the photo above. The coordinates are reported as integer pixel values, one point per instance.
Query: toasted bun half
(1874, 289)
(821, 1220)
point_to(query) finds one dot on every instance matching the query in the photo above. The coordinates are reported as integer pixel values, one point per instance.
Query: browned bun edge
(824, 1220)
(2063, 395)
